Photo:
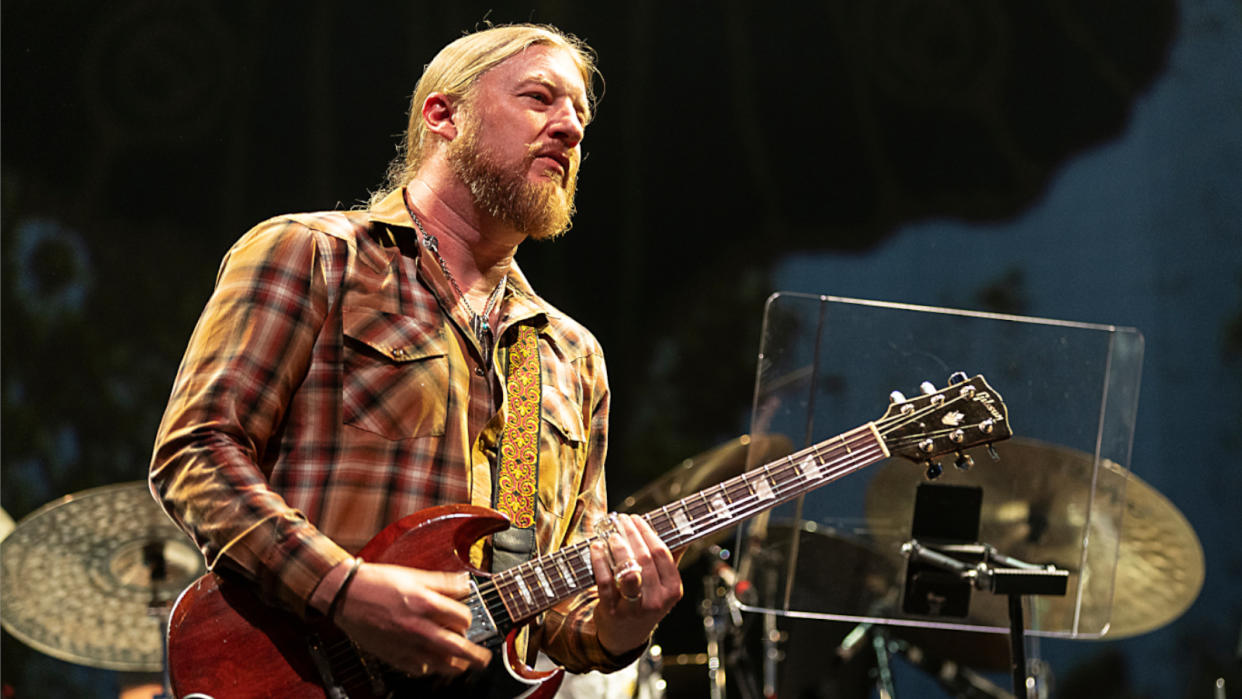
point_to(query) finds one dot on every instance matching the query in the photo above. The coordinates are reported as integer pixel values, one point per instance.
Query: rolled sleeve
(248, 354)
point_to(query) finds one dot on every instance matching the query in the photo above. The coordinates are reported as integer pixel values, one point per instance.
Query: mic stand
(1002, 575)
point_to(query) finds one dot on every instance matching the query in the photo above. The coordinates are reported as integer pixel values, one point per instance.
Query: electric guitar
(224, 643)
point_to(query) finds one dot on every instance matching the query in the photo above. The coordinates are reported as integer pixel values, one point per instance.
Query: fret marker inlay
(543, 582)
(560, 567)
(682, 522)
(763, 489)
(521, 586)
(809, 468)
(719, 506)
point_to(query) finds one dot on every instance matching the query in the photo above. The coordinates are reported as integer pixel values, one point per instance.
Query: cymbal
(80, 577)
(707, 469)
(832, 571)
(1037, 507)
(6, 524)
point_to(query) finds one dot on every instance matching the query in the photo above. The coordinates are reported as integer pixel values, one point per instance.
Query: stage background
(1084, 160)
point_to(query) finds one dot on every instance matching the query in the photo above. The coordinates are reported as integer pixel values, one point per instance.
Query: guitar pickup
(482, 626)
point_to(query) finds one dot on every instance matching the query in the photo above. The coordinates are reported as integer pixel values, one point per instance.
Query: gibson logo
(986, 398)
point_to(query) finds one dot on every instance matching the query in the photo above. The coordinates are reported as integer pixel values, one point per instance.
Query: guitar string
(782, 483)
(780, 468)
(784, 490)
(740, 508)
(343, 652)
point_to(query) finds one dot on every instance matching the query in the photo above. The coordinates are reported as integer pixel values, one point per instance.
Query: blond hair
(455, 69)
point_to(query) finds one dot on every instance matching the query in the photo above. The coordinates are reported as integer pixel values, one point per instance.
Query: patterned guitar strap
(518, 477)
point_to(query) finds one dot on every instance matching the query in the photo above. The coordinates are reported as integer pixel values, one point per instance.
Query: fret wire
(507, 583)
(833, 459)
(710, 528)
(789, 481)
(786, 476)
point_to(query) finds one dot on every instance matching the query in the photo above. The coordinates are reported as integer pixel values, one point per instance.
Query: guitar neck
(536, 585)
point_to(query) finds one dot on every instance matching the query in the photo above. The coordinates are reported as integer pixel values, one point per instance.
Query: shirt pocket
(562, 452)
(396, 374)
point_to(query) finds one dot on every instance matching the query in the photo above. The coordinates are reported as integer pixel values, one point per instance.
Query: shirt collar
(391, 209)
(521, 303)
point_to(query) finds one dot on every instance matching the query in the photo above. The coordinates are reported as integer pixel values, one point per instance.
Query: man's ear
(438, 114)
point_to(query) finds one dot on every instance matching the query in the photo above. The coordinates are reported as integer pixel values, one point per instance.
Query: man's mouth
(560, 160)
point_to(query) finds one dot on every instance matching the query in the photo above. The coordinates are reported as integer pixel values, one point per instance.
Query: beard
(541, 210)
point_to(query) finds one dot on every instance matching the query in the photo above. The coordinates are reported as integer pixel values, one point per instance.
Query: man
(354, 367)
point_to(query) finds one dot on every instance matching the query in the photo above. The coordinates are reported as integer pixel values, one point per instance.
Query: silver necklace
(478, 322)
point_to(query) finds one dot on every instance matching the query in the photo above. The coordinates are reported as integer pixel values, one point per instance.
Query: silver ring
(631, 566)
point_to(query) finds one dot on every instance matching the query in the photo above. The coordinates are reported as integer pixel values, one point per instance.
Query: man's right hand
(411, 619)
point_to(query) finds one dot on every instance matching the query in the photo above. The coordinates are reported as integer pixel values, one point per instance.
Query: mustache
(569, 158)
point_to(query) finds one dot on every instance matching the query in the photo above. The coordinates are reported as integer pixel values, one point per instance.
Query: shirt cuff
(613, 662)
(288, 558)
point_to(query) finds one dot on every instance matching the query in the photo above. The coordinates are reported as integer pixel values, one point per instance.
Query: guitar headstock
(967, 413)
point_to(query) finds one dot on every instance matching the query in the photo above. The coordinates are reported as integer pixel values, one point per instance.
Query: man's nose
(567, 126)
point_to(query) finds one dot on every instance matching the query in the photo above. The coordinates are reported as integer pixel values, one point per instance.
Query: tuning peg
(992, 452)
(897, 397)
(963, 461)
(957, 377)
(934, 469)
(927, 387)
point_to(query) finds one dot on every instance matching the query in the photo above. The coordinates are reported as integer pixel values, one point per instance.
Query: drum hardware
(714, 610)
(772, 638)
(1029, 516)
(649, 683)
(1036, 496)
(719, 611)
(944, 565)
(836, 570)
(884, 684)
(723, 627)
(959, 680)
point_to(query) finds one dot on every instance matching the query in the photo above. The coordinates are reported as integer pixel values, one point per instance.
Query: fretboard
(527, 589)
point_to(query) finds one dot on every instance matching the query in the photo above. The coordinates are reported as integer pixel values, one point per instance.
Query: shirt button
(478, 371)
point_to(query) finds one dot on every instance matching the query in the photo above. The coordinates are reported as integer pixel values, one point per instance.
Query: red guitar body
(224, 643)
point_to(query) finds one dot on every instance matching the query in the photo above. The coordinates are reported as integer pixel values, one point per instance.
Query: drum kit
(1159, 572)
(89, 578)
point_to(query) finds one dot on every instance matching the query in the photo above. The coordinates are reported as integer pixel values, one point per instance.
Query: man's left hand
(639, 587)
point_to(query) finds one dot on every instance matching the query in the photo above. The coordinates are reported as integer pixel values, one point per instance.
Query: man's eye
(539, 96)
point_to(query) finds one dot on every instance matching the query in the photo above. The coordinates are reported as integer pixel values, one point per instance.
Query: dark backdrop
(141, 137)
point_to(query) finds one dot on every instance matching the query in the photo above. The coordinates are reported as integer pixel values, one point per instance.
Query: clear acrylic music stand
(1056, 495)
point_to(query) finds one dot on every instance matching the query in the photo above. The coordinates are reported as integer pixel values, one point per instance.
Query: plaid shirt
(326, 393)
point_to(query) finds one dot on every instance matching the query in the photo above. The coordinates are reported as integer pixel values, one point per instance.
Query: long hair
(454, 71)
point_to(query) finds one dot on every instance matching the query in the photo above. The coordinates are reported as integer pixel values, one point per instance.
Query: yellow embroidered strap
(519, 446)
